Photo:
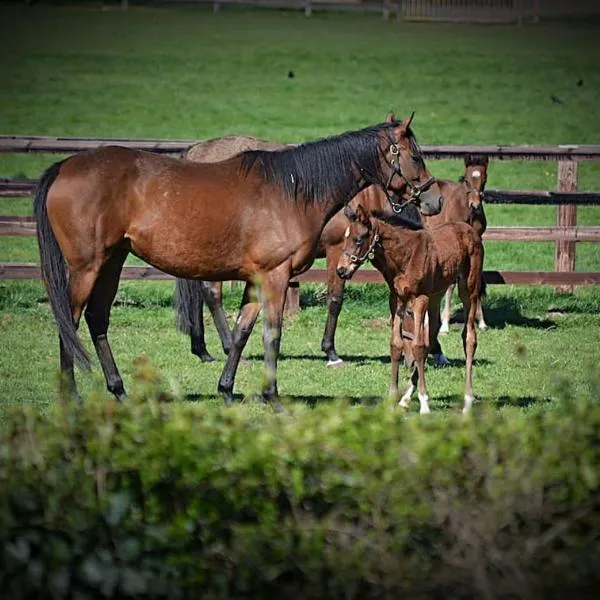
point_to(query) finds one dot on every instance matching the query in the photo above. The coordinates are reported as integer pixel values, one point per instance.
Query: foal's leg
(396, 344)
(249, 310)
(275, 287)
(335, 299)
(420, 350)
(445, 326)
(97, 315)
(212, 294)
(479, 316)
(468, 290)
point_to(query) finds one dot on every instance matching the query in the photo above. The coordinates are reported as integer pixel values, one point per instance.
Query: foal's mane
(325, 168)
(404, 219)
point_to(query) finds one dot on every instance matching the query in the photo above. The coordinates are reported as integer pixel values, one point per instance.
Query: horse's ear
(390, 117)
(468, 160)
(349, 213)
(485, 160)
(406, 124)
(362, 215)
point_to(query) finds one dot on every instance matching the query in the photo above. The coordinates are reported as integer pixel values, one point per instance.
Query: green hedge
(153, 499)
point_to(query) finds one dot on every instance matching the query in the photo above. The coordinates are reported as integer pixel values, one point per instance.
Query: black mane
(409, 218)
(324, 168)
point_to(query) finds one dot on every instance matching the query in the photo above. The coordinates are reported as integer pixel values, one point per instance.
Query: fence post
(292, 300)
(566, 215)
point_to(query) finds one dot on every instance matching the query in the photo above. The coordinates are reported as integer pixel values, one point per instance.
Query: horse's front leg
(249, 310)
(468, 295)
(335, 299)
(274, 288)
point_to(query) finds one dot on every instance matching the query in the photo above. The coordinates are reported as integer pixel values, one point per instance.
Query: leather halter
(370, 253)
(415, 190)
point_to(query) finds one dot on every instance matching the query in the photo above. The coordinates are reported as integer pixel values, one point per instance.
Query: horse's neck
(397, 245)
(371, 199)
(455, 206)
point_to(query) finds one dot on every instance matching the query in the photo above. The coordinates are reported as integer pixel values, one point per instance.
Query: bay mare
(418, 267)
(255, 217)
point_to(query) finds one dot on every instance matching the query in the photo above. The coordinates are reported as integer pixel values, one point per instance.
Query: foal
(418, 267)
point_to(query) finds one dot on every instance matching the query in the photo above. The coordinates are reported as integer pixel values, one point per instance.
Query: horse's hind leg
(212, 294)
(335, 300)
(396, 344)
(81, 283)
(244, 324)
(445, 326)
(435, 348)
(97, 315)
(468, 290)
(274, 290)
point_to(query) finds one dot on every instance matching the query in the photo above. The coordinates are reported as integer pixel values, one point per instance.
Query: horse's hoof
(277, 407)
(207, 357)
(335, 362)
(482, 326)
(444, 330)
(440, 361)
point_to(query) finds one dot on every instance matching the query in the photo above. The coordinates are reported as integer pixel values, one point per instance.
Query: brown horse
(256, 217)
(464, 202)
(418, 267)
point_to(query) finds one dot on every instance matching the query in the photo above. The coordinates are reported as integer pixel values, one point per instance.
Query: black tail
(188, 306)
(54, 271)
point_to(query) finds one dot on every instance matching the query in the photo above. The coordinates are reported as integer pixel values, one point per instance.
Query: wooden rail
(68, 145)
(565, 234)
(25, 226)
(141, 273)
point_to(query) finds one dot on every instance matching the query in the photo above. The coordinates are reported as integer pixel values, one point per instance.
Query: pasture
(185, 73)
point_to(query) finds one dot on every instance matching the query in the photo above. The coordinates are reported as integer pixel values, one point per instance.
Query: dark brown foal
(418, 267)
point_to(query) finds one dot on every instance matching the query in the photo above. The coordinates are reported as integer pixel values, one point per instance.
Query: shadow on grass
(506, 311)
(311, 400)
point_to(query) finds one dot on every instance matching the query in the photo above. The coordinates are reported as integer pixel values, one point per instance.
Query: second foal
(418, 267)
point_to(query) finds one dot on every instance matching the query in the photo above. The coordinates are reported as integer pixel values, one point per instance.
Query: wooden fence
(565, 234)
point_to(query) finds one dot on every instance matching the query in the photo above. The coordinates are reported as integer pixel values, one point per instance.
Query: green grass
(186, 73)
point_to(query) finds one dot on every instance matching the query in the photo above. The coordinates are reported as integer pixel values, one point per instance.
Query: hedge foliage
(153, 499)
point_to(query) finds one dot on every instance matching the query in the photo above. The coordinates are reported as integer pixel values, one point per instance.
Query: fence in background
(565, 234)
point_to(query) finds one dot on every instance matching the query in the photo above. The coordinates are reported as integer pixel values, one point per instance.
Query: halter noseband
(369, 254)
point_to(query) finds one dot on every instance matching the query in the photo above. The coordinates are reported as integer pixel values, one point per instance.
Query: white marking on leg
(406, 396)
(335, 363)
(444, 327)
(424, 400)
(468, 403)
(482, 325)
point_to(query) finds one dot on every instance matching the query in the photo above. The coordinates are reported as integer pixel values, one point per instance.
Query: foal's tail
(54, 271)
(188, 306)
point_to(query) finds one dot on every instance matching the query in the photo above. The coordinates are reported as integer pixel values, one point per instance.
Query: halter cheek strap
(415, 190)
(369, 254)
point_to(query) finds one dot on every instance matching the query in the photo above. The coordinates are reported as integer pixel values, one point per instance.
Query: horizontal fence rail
(25, 226)
(14, 188)
(141, 273)
(565, 234)
(65, 145)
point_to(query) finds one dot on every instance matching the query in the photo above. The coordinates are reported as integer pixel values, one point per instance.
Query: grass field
(186, 73)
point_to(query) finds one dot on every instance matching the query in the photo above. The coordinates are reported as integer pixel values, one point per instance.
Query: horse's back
(222, 148)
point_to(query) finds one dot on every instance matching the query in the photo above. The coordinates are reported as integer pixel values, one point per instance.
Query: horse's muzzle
(431, 201)
(344, 273)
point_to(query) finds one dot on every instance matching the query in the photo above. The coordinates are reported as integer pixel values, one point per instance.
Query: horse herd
(240, 208)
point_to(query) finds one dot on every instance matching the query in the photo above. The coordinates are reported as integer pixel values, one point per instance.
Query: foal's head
(409, 177)
(475, 179)
(360, 241)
